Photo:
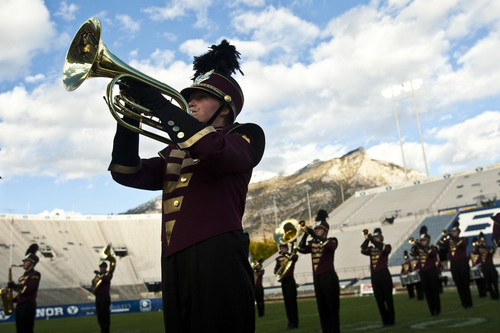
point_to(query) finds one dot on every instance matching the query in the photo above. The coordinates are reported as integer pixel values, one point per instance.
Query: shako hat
(30, 254)
(423, 233)
(213, 74)
(378, 232)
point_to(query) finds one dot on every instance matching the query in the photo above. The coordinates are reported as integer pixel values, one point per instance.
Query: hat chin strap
(216, 114)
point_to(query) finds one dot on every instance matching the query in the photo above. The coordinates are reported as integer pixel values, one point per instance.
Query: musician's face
(26, 264)
(203, 106)
(320, 232)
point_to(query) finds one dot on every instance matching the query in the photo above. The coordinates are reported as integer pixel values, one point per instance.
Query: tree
(263, 249)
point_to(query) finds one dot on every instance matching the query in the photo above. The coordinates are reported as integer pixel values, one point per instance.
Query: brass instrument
(287, 232)
(106, 254)
(7, 296)
(88, 57)
(413, 241)
(444, 232)
(366, 233)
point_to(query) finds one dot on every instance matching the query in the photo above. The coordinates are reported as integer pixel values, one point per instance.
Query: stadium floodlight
(391, 92)
(396, 90)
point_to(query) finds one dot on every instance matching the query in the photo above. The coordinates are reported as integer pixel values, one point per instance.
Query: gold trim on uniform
(172, 205)
(124, 169)
(173, 169)
(184, 180)
(247, 139)
(192, 140)
(177, 153)
(169, 226)
(189, 161)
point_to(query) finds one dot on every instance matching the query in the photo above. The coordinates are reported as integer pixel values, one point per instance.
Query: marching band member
(428, 271)
(258, 274)
(288, 286)
(489, 270)
(102, 281)
(405, 271)
(476, 264)
(415, 267)
(207, 280)
(380, 275)
(495, 236)
(459, 263)
(27, 289)
(326, 281)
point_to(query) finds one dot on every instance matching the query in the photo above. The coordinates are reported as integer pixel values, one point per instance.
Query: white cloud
(67, 12)
(23, 38)
(127, 24)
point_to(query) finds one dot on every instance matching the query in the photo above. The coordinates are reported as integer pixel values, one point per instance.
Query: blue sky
(314, 73)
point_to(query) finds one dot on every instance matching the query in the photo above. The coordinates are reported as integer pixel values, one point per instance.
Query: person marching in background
(495, 235)
(326, 281)
(27, 290)
(415, 267)
(476, 266)
(380, 276)
(428, 271)
(101, 285)
(258, 274)
(489, 270)
(405, 271)
(207, 280)
(288, 286)
(459, 263)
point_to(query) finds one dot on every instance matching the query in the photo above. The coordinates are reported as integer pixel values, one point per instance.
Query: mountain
(320, 185)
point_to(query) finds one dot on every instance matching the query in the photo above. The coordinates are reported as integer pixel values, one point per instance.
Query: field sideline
(357, 314)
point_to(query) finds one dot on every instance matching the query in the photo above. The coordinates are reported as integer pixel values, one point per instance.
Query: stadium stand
(71, 244)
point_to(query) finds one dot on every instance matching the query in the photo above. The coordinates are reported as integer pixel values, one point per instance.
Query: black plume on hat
(423, 230)
(377, 232)
(32, 249)
(406, 254)
(322, 215)
(222, 58)
(456, 225)
(481, 236)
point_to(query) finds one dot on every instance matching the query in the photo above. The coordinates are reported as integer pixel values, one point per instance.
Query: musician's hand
(143, 94)
(97, 272)
(11, 285)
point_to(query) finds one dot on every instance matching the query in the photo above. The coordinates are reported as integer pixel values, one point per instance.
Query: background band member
(288, 286)
(476, 264)
(489, 270)
(405, 271)
(102, 283)
(326, 281)
(428, 271)
(27, 289)
(459, 263)
(415, 267)
(380, 275)
(204, 177)
(495, 236)
(258, 273)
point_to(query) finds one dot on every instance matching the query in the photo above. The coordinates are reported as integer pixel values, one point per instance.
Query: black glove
(143, 94)
(13, 285)
(303, 241)
(97, 272)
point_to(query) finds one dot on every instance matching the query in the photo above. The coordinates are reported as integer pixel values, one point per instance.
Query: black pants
(102, 303)
(491, 280)
(209, 287)
(327, 290)
(420, 291)
(430, 285)
(259, 299)
(460, 271)
(289, 289)
(25, 317)
(382, 290)
(481, 287)
(411, 290)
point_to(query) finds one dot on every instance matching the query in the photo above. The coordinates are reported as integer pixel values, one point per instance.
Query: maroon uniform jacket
(427, 257)
(204, 185)
(322, 254)
(378, 258)
(457, 248)
(105, 284)
(406, 268)
(279, 261)
(28, 284)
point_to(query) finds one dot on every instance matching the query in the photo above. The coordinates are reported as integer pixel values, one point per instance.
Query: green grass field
(356, 314)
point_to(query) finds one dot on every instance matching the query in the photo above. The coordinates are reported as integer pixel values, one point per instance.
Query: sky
(316, 78)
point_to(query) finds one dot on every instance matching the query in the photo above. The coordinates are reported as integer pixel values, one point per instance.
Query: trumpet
(89, 57)
(413, 241)
(366, 233)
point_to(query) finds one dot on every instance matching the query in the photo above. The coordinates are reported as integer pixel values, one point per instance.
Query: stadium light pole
(415, 84)
(389, 93)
